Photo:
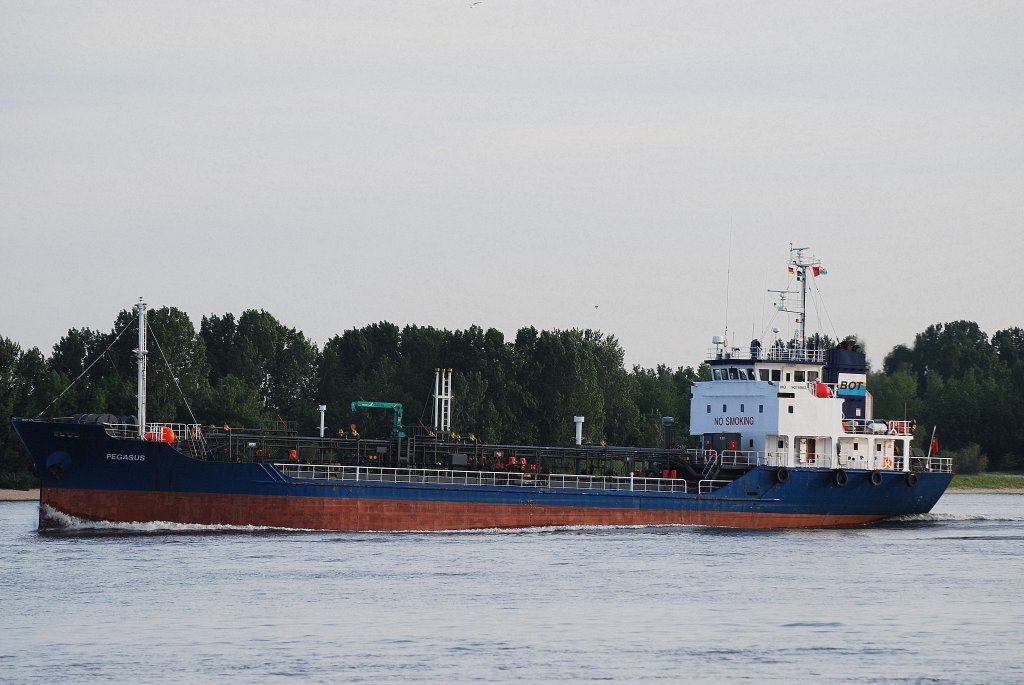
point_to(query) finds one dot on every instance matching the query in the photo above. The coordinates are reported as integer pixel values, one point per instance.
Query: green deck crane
(397, 429)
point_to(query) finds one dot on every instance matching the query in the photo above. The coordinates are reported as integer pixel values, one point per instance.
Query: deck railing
(186, 437)
(374, 474)
(788, 354)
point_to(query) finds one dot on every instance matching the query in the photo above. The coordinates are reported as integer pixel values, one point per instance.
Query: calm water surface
(935, 599)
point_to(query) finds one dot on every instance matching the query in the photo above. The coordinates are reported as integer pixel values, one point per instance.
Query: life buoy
(781, 474)
(875, 477)
(839, 478)
(886, 462)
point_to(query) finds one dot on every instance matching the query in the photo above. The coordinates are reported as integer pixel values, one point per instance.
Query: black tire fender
(839, 478)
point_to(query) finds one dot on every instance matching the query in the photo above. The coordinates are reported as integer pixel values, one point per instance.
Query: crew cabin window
(760, 409)
(812, 376)
(718, 375)
(741, 408)
(776, 375)
(724, 409)
(791, 409)
(733, 374)
(856, 447)
(763, 373)
(789, 376)
(781, 444)
(798, 376)
(709, 408)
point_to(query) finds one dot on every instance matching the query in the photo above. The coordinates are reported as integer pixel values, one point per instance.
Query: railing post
(631, 481)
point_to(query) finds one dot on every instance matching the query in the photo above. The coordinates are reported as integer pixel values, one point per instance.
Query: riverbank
(988, 482)
(18, 495)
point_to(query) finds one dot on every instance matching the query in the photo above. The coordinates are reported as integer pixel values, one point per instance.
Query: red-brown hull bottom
(345, 514)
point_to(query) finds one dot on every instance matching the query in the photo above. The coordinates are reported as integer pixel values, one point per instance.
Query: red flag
(935, 446)
(817, 270)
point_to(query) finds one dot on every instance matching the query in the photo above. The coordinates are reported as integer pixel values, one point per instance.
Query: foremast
(141, 355)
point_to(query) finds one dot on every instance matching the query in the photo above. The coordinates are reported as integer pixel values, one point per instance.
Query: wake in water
(66, 524)
(944, 517)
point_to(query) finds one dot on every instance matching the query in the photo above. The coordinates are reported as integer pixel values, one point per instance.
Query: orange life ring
(886, 462)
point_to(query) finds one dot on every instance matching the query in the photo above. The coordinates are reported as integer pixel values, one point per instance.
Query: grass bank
(988, 481)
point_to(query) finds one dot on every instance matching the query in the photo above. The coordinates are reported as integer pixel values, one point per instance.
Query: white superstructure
(794, 405)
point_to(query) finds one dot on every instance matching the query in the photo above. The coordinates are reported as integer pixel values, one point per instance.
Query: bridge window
(789, 376)
(798, 376)
(764, 374)
(718, 375)
(776, 374)
(733, 374)
(812, 375)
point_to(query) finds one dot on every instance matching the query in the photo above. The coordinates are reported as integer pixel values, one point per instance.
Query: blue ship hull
(89, 474)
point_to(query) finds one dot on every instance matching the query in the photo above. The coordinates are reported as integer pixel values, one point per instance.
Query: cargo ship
(784, 432)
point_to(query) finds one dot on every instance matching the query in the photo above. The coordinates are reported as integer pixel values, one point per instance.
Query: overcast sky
(636, 167)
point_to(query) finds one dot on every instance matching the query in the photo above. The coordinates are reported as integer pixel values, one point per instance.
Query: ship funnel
(579, 429)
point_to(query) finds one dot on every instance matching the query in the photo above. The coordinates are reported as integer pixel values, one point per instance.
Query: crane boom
(397, 429)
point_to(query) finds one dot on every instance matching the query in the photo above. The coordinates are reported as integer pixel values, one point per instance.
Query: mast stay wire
(171, 372)
(94, 361)
(828, 316)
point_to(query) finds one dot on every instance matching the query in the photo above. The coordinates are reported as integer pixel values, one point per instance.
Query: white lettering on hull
(126, 457)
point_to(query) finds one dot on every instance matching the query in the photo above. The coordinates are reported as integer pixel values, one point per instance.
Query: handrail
(879, 427)
(794, 354)
(376, 474)
(187, 437)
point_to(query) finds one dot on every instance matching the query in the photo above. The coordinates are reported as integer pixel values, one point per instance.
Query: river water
(933, 599)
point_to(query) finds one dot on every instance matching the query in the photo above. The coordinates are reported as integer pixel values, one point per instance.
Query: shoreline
(33, 495)
(19, 495)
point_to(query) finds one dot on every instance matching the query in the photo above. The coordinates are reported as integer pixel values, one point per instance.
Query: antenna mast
(799, 264)
(141, 353)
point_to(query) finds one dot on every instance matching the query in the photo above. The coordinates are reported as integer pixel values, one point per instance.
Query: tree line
(255, 372)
